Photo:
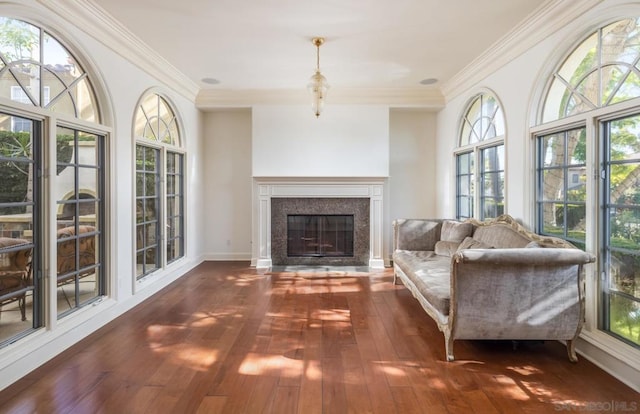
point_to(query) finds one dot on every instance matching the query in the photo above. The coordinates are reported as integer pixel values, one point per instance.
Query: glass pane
(624, 317)
(588, 89)
(553, 150)
(150, 184)
(552, 222)
(464, 185)
(171, 162)
(624, 227)
(625, 184)
(140, 184)
(172, 206)
(628, 90)
(16, 184)
(151, 156)
(465, 206)
(552, 186)
(171, 181)
(465, 163)
(87, 149)
(139, 264)
(150, 210)
(173, 132)
(576, 184)
(20, 40)
(65, 143)
(493, 185)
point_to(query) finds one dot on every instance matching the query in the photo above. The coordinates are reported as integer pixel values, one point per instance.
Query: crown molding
(97, 23)
(542, 23)
(425, 98)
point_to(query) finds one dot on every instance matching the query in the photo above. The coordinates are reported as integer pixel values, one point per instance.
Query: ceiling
(266, 44)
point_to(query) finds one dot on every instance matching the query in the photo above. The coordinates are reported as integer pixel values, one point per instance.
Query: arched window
(159, 186)
(602, 70)
(35, 69)
(480, 159)
(591, 108)
(50, 108)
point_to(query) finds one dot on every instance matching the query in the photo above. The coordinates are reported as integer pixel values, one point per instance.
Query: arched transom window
(35, 69)
(480, 159)
(602, 70)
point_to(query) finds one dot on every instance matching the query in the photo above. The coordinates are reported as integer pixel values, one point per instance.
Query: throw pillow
(446, 248)
(471, 243)
(455, 231)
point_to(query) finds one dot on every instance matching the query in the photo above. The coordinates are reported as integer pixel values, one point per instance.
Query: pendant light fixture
(318, 85)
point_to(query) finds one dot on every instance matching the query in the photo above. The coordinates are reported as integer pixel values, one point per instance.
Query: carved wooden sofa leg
(448, 346)
(571, 350)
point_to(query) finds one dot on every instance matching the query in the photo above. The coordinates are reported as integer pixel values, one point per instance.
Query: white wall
(411, 187)
(227, 150)
(412, 161)
(345, 141)
(228, 185)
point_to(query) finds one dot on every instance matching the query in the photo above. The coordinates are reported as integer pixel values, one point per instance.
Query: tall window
(561, 191)
(159, 186)
(480, 160)
(592, 109)
(37, 71)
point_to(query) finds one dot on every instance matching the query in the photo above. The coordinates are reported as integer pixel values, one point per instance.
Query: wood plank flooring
(229, 339)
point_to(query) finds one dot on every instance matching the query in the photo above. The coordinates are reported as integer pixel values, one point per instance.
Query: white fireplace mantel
(264, 188)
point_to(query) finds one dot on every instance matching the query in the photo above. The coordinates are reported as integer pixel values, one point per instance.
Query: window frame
(475, 150)
(162, 197)
(596, 230)
(46, 119)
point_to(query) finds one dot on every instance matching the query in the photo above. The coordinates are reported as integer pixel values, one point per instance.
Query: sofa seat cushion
(430, 273)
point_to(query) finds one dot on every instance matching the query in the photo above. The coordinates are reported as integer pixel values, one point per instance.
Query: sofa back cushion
(416, 234)
(471, 243)
(455, 231)
(500, 236)
(446, 248)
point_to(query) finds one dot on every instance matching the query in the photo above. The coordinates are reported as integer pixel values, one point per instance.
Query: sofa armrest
(523, 293)
(525, 256)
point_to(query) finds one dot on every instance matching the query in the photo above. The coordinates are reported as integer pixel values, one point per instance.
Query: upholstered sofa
(492, 280)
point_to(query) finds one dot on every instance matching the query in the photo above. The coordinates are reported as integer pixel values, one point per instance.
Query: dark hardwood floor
(229, 339)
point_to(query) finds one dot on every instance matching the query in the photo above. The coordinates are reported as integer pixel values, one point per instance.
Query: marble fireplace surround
(265, 188)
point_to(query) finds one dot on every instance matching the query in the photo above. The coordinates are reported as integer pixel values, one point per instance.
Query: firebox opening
(320, 235)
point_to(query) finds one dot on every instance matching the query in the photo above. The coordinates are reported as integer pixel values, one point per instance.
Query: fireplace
(320, 235)
(320, 231)
(275, 198)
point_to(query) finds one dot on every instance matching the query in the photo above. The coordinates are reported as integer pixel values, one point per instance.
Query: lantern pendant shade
(318, 85)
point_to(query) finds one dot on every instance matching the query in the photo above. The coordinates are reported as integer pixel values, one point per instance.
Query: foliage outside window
(159, 186)
(597, 85)
(37, 71)
(481, 138)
